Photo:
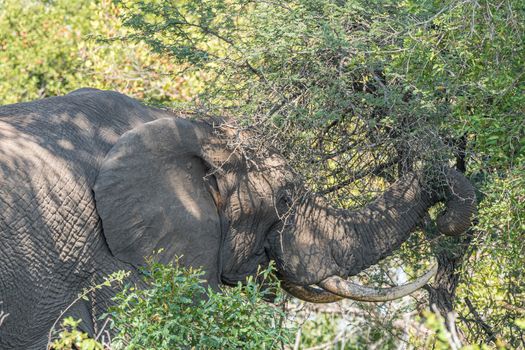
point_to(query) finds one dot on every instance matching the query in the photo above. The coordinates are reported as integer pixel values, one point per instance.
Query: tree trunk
(442, 292)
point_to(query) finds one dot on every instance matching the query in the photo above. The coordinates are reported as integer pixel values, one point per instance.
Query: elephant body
(92, 182)
(51, 241)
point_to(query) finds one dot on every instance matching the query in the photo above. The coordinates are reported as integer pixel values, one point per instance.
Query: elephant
(94, 181)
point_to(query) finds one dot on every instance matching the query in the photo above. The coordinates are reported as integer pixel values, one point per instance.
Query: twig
(486, 328)
(106, 283)
(514, 308)
(359, 175)
(297, 339)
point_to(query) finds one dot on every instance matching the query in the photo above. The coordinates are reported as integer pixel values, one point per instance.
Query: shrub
(174, 310)
(49, 48)
(71, 338)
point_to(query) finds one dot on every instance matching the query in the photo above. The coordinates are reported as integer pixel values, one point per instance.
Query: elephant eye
(284, 200)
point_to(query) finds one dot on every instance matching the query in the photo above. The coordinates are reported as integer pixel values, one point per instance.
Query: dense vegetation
(367, 90)
(48, 48)
(173, 310)
(355, 93)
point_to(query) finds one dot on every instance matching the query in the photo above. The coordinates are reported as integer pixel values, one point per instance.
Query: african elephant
(94, 181)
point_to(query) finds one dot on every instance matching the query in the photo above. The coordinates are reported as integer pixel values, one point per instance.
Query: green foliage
(48, 48)
(174, 310)
(378, 87)
(72, 338)
(446, 340)
(494, 275)
(469, 58)
(442, 339)
(320, 330)
(520, 323)
(350, 332)
(69, 337)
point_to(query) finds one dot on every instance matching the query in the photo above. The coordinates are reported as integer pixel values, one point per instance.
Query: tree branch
(491, 336)
(359, 175)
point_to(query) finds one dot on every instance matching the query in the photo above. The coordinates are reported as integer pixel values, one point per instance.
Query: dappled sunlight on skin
(53, 155)
(188, 202)
(50, 154)
(93, 182)
(253, 211)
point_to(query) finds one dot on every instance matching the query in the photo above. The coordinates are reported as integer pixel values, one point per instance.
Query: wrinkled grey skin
(93, 181)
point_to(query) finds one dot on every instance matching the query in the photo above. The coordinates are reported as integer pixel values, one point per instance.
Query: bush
(49, 48)
(174, 310)
(493, 293)
(354, 79)
(71, 338)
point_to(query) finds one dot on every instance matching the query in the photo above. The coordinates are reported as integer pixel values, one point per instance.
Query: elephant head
(183, 187)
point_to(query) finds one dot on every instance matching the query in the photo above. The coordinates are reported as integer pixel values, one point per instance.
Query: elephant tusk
(347, 289)
(309, 293)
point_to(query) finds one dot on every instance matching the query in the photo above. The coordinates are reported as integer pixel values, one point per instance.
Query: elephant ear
(153, 192)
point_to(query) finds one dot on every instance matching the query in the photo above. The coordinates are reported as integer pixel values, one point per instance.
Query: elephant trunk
(358, 239)
(383, 225)
(459, 207)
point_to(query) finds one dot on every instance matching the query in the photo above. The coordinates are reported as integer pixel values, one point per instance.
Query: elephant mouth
(232, 276)
(232, 281)
(329, 289)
